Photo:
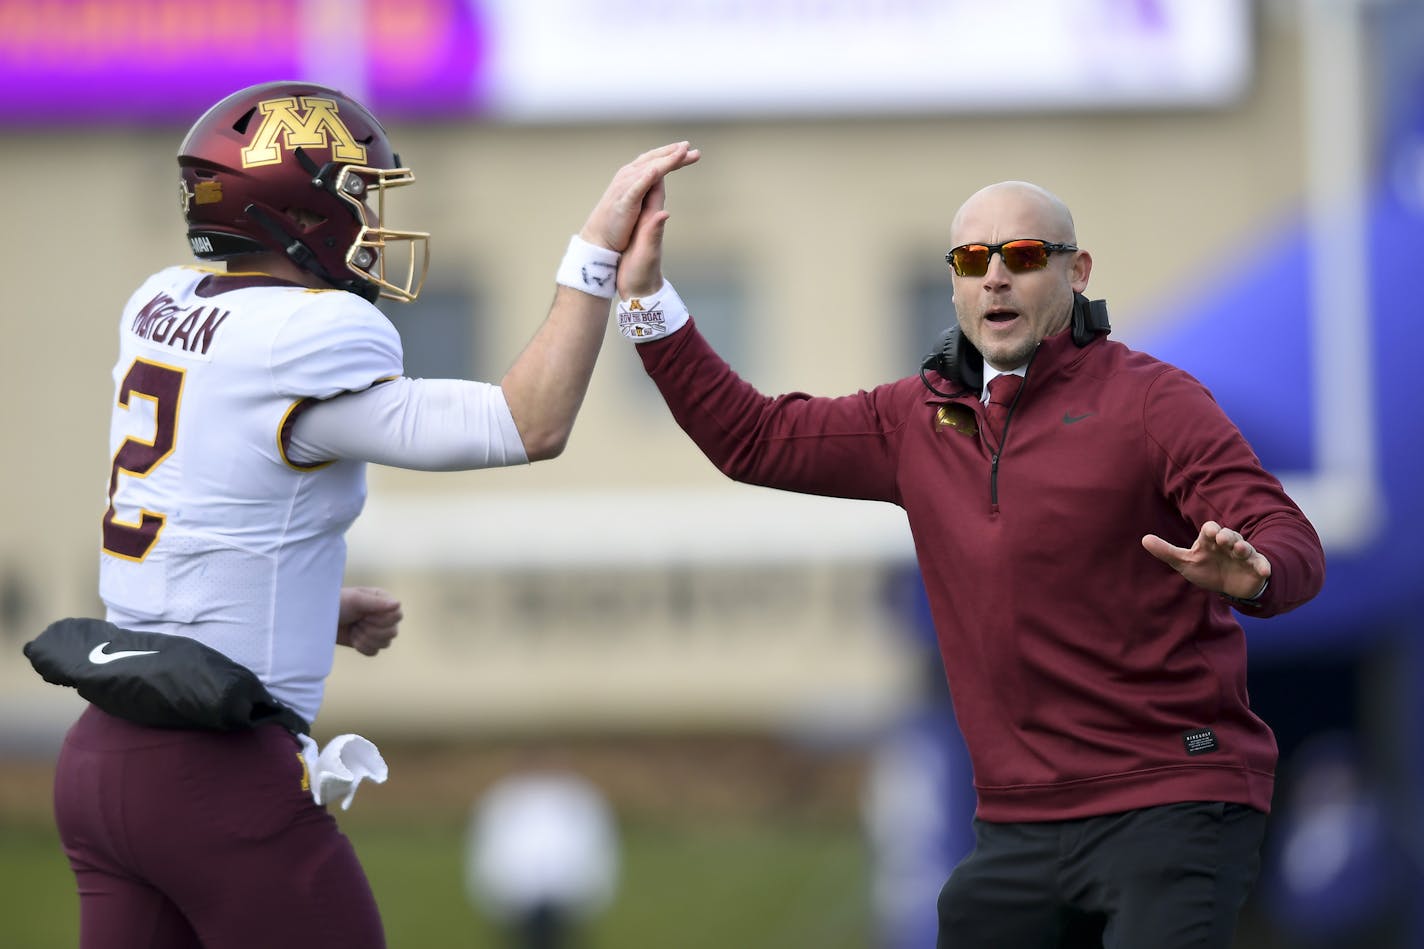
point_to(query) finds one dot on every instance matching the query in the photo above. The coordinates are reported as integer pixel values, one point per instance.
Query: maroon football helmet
(291, 167)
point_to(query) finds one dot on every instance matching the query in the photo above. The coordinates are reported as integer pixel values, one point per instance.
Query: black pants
(1169, 877)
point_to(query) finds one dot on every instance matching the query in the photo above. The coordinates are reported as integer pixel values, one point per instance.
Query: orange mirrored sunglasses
(1024, 254)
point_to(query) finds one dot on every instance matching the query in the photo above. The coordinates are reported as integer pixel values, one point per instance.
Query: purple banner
(114, 62)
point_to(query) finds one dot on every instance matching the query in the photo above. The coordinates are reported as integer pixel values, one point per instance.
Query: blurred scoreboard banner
(71, 62)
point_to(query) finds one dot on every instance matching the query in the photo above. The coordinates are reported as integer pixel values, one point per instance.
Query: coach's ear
(1079, 270)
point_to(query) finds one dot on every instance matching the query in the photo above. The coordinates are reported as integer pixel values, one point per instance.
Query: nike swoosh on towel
(98, 656)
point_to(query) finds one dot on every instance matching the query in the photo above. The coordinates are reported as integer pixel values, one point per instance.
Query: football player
(249, 399)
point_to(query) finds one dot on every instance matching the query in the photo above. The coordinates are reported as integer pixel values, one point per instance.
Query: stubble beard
(1009, 355)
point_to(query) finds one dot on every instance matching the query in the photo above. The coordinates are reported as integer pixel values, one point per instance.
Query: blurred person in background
(1086, 519)
(542, 856)
(1344, 873)
(918, 799)
(249, 402)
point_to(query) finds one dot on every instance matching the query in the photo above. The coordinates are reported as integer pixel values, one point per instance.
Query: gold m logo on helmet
(313, 124)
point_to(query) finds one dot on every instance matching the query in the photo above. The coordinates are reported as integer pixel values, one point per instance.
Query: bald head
(1038, 212)
(1006, 313)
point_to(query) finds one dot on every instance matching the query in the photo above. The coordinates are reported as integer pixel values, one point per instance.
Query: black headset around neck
(956, 359)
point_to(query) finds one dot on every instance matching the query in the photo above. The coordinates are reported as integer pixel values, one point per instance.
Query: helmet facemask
(369, 256)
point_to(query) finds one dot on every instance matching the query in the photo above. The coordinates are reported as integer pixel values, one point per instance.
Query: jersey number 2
(163, 385)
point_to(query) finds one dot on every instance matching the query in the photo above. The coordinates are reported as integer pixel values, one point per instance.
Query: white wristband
(589, 268)
(647, 318)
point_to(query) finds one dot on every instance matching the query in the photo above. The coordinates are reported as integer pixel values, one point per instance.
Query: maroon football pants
(186, 839)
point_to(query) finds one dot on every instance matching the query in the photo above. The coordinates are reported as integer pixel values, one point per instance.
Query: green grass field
(723, 845)
(700, 885)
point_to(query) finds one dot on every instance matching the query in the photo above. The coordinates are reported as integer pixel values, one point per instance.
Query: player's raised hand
(611, 222)
(1220, 560)
(369, 619)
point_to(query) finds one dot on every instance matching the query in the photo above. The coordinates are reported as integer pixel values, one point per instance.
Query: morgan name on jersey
(191, 329)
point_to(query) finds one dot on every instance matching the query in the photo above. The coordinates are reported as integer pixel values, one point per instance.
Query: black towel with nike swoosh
(155, 679)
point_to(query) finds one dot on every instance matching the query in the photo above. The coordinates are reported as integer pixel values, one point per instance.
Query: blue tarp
(1247, 338)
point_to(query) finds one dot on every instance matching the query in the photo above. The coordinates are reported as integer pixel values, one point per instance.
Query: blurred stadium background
(743, 675)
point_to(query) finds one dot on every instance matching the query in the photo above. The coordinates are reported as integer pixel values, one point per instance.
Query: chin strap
(301, 255)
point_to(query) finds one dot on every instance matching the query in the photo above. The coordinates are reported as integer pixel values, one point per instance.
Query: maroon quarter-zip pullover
(1087, 676)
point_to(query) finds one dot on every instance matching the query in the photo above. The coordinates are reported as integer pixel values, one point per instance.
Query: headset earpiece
(1090, 319)
(956, 359)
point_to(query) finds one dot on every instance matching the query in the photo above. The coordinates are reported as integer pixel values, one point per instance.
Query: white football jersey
(211, 530)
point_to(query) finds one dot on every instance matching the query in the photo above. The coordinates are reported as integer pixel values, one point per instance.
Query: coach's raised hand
(648, 306)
